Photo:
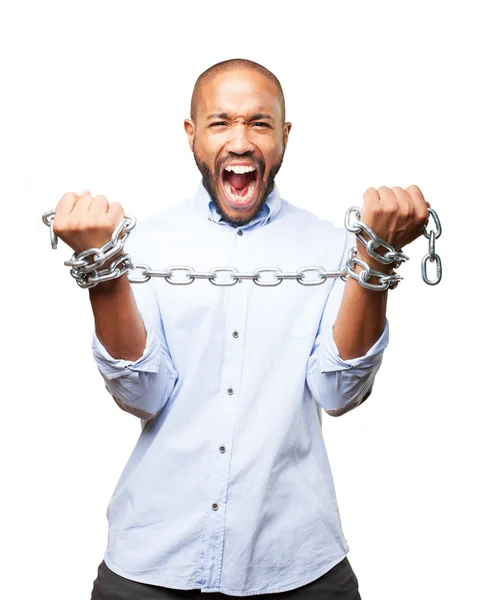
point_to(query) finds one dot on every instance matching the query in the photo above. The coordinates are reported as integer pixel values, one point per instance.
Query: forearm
(118, 323)
(362, 313)
(398, 217)
(130, 347)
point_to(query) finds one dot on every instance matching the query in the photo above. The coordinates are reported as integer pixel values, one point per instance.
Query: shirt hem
(190, 584)
(142, 577)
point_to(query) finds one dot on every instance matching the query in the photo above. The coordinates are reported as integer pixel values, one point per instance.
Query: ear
(190, 131)
(286, 130)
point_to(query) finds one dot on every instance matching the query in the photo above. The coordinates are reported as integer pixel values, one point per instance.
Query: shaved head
(233, 64)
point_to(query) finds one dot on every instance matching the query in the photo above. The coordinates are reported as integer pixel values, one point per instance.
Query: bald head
(234, 64)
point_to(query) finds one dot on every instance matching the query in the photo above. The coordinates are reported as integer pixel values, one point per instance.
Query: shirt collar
(203, 202)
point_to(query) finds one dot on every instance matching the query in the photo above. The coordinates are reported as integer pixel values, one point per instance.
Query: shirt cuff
(111, 368)
(330, 360)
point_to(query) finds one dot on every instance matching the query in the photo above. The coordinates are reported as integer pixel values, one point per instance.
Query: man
(229, 489)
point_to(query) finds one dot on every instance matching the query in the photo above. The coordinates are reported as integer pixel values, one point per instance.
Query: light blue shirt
(229, 488)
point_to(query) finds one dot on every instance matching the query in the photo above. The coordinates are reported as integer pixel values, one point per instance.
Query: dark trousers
(339, 583)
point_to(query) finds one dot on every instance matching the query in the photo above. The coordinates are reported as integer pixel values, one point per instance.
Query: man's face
(238, 140)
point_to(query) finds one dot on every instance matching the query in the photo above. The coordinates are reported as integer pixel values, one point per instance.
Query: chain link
(385, 281)
(432, 236)
(47, 218)
(389, 257)
(107, 251)
(85, 266)
(235, 276)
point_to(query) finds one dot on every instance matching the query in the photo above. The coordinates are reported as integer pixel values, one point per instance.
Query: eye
(261, 124)
(216, 123)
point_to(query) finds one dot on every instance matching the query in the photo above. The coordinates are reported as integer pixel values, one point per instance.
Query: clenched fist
(395, 215)
(83, 221)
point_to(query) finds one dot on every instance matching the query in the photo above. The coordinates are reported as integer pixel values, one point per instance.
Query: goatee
(209, 180)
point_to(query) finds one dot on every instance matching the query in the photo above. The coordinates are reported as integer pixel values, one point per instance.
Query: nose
(239, 142)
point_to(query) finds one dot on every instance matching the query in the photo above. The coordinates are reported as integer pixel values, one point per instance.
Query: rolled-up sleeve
(144, 386)
(340, 385)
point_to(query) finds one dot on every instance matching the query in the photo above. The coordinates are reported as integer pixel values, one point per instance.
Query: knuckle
(58, 226)
(99, 201)
(66, 198)
(98, 223)
(108, 227)
(390, 208)
(116, 206)
(371, 194)
(76, 224)
(423, 213)
(423, 217)
(116, 212)
(374, 209)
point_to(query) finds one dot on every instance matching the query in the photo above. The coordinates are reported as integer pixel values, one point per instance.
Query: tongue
(239, 180)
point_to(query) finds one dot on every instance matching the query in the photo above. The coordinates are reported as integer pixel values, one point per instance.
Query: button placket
(235, 307)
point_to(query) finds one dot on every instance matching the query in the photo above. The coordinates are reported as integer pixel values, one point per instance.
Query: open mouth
(240, 184)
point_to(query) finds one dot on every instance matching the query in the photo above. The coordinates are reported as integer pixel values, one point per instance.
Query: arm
(118, 323)
(142, 383)
(339, 384)
(354, 331)
(397, 216)
(362, 314)
(129, 344)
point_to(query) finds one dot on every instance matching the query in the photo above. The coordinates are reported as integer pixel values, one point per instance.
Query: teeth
(240, 168)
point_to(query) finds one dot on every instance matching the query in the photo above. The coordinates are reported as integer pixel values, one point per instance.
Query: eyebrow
(254, 117)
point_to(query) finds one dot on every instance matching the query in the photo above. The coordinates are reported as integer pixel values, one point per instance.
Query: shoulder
(312, 224)
(152, 230)
(167, 220)
(166, 216)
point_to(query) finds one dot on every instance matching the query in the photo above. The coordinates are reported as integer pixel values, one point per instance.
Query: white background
(94, 95)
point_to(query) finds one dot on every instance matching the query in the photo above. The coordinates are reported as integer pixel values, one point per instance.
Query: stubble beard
(209, 180)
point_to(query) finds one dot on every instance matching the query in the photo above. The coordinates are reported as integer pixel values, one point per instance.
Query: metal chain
(385, 281)
(432, 236)
(235, 276)
(389, 257)
(87, 273)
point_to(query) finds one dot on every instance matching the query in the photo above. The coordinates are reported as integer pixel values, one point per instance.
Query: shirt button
(235, 334)
(230, 391)
(240, 232)
(222, 449)
(214, 506)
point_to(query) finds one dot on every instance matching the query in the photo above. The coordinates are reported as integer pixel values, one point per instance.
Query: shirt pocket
(294, 310)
